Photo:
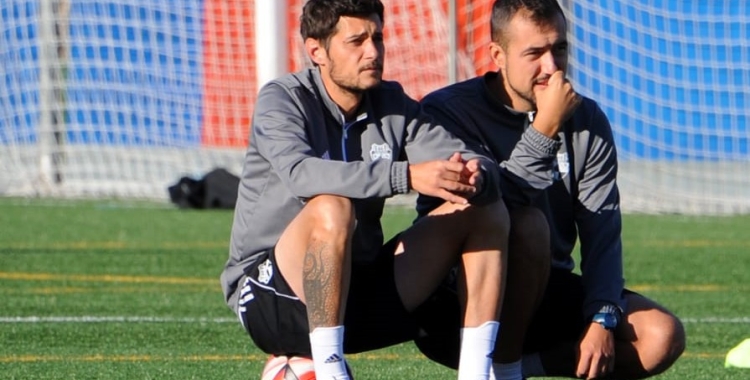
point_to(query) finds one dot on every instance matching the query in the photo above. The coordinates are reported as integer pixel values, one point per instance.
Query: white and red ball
(292, 368)
(288, 368)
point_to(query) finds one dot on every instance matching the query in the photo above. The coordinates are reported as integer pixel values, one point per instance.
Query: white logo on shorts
(265, 272)
(246, 295)
(380, 151)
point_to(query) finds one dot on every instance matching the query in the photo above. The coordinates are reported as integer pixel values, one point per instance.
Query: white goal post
(121, 98)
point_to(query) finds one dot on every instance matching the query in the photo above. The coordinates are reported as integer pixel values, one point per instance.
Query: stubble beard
(352, 85)
(527, 96)
(514, 92)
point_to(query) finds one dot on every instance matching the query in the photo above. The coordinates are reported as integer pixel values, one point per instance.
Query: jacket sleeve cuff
(541, 142)
(596, 306)
(400, 177)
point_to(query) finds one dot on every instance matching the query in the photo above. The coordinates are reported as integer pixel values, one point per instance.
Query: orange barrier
(415, 41)
(229, 72)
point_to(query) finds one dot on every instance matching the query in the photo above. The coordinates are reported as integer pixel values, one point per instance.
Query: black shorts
(559, 319)
(277, 320)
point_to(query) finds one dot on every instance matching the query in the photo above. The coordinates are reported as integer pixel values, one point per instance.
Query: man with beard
(583, 326)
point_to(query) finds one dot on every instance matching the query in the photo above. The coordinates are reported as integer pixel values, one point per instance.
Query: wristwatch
(608, 316)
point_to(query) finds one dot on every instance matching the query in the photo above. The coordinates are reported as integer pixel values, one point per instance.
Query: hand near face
(596, 353)
(555, 104)
(452, 180)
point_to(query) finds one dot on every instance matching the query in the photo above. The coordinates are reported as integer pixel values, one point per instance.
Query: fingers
(588, 367)
(473, 165)
(556, 101)
(456, 186)
(471, 175)
(456, 157)
(584, 365)
(477, 180)
(594, 365)
(443, 179)
(557, 78)
(452, 197)
(453, 166)
(594, 370)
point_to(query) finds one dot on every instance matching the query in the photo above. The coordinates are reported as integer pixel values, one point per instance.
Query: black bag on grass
(216, 190)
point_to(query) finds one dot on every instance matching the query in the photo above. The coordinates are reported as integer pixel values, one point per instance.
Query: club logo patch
(380, 151)
(265, 272)
(563, 164)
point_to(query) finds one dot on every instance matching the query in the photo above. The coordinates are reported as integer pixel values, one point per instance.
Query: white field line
(708, 320)
(114, 319)
(135, 319)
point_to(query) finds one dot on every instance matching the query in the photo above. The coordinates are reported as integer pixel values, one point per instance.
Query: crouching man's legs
(475, 238)
(314, 256)
(528, 270)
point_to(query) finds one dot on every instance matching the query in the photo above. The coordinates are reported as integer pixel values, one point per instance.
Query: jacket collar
(498, 104)
(333, 108)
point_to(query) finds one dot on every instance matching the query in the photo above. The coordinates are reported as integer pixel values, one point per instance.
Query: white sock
(477, 347)
(532, 365)
(327, 345)
(506, 371)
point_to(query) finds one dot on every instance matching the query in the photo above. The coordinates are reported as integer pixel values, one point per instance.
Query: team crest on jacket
(563, 164)
(265, 272)
(378, 151)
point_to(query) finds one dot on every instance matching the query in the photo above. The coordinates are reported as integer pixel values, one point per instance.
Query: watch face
(610, 321)
(607, 320)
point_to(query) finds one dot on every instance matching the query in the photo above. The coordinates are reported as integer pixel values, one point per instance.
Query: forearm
(531, 167)
(601, 263)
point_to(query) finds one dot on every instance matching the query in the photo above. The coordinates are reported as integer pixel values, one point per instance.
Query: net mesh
(120, 98)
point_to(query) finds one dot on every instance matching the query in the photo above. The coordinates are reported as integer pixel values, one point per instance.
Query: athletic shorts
(276, 319)
(559, 319)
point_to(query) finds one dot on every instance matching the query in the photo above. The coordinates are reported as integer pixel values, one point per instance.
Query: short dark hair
(319, 17)
(541, 11)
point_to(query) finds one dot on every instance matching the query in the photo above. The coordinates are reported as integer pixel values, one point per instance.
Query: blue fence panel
(671, 75)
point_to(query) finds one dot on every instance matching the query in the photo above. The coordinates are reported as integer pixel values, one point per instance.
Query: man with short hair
(585, 325)
(308, 273)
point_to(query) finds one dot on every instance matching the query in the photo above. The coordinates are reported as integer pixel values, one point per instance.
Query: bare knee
(659, 335)
(667, 343)
(333, 217)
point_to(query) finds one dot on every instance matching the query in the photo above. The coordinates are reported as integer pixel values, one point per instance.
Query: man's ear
(497, 54)
(316, 51)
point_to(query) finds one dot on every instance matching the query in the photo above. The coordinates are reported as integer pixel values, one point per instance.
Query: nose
(549, 63)
(372, 49)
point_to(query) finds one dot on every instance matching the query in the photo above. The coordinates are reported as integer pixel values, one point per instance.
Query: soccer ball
(292, 368)
(288, 368)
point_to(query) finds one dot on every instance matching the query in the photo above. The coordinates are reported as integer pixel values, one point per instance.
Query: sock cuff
(489, 328)
(503, 371)
(532, 365)
(335, 333)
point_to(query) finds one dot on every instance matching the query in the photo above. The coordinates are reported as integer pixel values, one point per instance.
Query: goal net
(672, 76)
(120, 98)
